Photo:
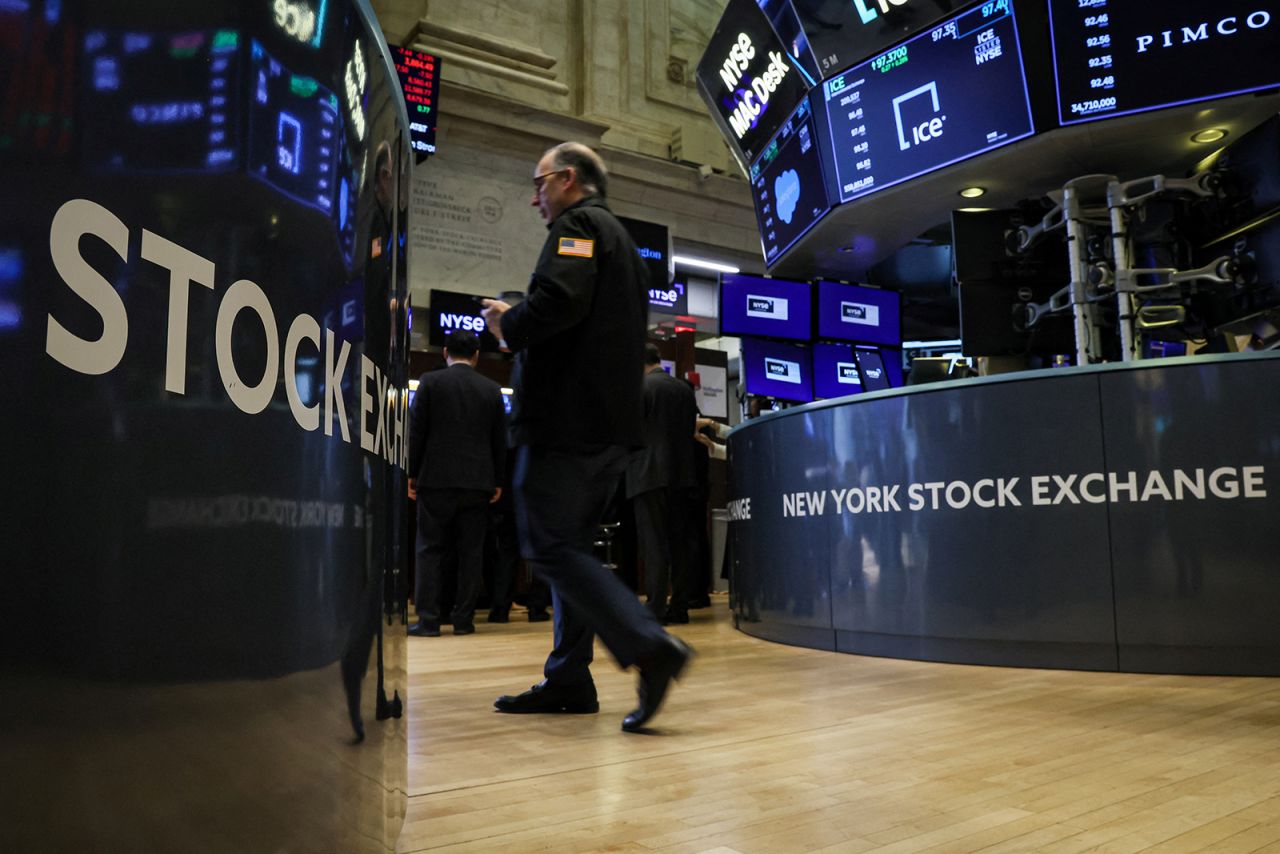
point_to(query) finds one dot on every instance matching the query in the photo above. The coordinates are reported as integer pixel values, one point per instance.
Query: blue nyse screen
(1114, 57)
(787, 183)
(854, 313)
(835, 372)
(875, 376)
(950, 93)
(774, 308)
(777, 369)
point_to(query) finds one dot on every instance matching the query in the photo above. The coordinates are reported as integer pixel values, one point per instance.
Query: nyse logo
(782, 370)
(868, 12)
(859, 313)
(912, 133)
(874, 373)
(847, 373)
(1228, 26)
(766, 308)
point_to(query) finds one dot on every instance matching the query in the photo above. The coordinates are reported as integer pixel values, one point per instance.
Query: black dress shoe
(656, 675)
(675, 618)
(425, 630)
(549, 699)
(499, 615)
(539, 616)
(464, 628)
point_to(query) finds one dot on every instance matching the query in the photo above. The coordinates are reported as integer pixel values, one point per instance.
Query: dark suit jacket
(457, 438)
(579, 335)
(666, 460)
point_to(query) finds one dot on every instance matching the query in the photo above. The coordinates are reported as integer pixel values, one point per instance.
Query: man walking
(579, 338)
(457, 449)
(659, 479)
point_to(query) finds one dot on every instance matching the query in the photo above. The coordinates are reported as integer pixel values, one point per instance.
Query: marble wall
(522, 75)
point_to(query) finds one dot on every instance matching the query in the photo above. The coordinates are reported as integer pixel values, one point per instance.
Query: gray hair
(585, 163)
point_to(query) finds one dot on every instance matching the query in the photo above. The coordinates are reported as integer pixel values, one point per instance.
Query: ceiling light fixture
(686, 261)
(972, 192)
(1209, 135)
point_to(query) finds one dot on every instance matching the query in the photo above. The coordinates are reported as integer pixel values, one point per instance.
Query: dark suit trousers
(661, 527)
(561, 495)
(450, 520)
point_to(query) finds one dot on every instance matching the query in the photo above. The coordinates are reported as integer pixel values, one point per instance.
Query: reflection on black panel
(160, 102)
(293, 138)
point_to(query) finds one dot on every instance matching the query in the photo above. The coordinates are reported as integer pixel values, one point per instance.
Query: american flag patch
(577, 247)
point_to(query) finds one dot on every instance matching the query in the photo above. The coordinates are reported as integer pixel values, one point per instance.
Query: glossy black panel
(203, 335)
(1199, 572)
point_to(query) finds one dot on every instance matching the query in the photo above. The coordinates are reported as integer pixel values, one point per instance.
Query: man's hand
(703, 423)
(413, 490)
(497, 493)
(493, 311)
(702, 438)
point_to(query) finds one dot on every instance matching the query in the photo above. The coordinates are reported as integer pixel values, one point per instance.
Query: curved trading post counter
(204, 340)
(1119, 517)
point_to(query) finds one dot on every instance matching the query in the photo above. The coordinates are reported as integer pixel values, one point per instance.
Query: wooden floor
(772, 749)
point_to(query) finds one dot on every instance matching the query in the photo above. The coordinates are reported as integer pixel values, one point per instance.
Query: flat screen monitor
(788, 185)
(748, 79)
(450, 311)
(777, 369)
(835, 371)
(874, 374)
(1117, 58)
(653, 242)
(419, 75)
(855, 313)
(845, 32)
(948, 94)
(773, 308)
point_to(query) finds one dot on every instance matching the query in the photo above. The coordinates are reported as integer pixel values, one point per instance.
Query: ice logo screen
(856, 312)
(847, 373)
(914, 132)
(782, 370)
(786, 194)
(766, 308)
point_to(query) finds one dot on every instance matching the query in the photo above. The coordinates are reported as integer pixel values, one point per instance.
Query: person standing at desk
(457, 450)
(579, 339)
(660, 477)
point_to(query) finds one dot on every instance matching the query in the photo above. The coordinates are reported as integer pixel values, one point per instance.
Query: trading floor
(768, 749)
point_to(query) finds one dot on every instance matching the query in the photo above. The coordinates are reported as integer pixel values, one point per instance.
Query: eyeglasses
(539, 180)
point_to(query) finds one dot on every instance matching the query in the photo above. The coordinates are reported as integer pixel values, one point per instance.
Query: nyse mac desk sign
(1029, 521)
(203, 333)
(1116, 58)
(748, 80)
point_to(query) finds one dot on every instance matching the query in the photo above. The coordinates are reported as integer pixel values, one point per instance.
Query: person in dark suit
(659, 478)
(457, 450)
(579, 338)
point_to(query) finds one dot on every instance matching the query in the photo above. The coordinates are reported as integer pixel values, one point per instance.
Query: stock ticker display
(946, 95)
(1113, 58)
(840, 34)
(420, 81)
(294, 127)
(787, 184)
(161, 103)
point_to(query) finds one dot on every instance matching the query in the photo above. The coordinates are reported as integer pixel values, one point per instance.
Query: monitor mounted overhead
(772, 308)
(1115, 59)
(777, 369)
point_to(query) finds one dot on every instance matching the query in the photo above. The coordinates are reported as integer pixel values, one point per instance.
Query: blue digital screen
(161, 103)
(835, 371)
(294, 135)
(1114, 58)
(774, 308)
(854, 313)
(777, 369)
(875, 376)
(788, 185)
(952, 92)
